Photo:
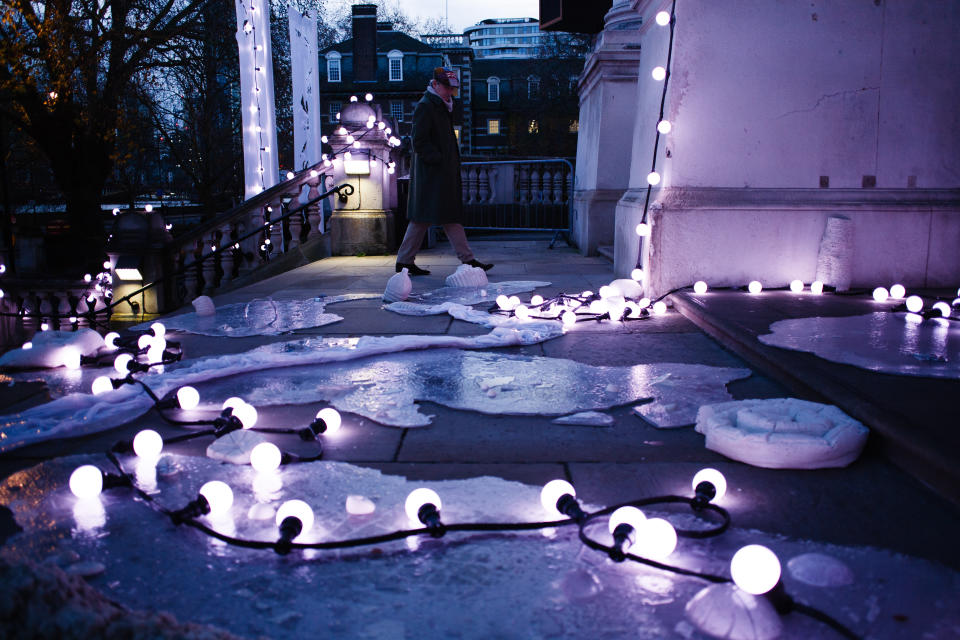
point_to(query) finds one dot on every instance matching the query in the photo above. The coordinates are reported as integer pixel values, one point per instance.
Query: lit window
(396, 110)
(493, 127)
(395, 61)
(533, 127)
(456, 132)
(493, 89)
(335, 108)
(574, 126)
(533, 87)
(333, 67)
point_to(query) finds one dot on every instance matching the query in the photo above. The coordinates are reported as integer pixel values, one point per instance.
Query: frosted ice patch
(235, 447)
(724, 611)
(83, 413)
(466, 585)
(897, 343)
(782, 433)
(54, 349)
(259, 317)
(475, 295)
(820, 570)
(586, 419)
(385, 389)
(675, 408)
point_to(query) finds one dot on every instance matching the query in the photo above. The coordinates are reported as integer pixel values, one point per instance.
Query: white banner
(306, 89)
(260, 168)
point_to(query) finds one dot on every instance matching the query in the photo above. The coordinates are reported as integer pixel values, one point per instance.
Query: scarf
(448, 102)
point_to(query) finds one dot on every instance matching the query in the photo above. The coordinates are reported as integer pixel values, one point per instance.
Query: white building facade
(782, 115)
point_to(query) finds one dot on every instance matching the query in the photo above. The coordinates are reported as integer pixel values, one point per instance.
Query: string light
(658, 73)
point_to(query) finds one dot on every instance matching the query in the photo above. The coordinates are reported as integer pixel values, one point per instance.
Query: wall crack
(825, 97)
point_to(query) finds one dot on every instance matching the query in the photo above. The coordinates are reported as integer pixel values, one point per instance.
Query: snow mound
(54, 349)
(782, 433)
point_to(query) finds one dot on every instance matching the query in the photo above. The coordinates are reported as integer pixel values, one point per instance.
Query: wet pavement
(864, 504)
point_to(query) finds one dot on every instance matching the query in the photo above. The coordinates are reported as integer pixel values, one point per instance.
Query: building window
(456, 132)
(574, 126)
(533, 127)
(396, 110)
(493, 127)
(333, 67)
(335, 108)
(533, 87)
(493, 89)
(395, 62)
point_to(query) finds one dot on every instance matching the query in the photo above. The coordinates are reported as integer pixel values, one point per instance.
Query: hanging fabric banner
(306, 89)
(260, 168)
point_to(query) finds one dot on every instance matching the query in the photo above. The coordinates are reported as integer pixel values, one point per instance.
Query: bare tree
(66, 67)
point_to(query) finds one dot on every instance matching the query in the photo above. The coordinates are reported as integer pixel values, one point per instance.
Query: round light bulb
(522, 312)
(331, 417)
(755, 287)
(699, 286)
(553, 491)
(111, 339)
(100, 385)
(796, 286)
(503, 302)
(368, 97)
(290, 175)
(943, 308)
(188, 397)
(658, 73)
(71, 357)
(643, 229)
(663, 18)
(755, 569)
(656, 539)
(350, 139)
(219, 496)
(87, 277)
(898, 291)
(568, 318)
(630, 516)
(233, 402)
(144, 341)
(158, 329)
(148, 444)
(265, 457)
(342, 131)
(86, 481)
(660, 307)
(120, 363)
(880, 294)
(637, 275)
(247, 414)
(353, 98)
(106, 264)
(606, 291)
(653, 178)
(599, 307)
(27, 346)
(715, 478)
(418, 498)
(664, 126)
(816, 287)
(299, 510)
(643, 303)
(536, 301)
(914, 304)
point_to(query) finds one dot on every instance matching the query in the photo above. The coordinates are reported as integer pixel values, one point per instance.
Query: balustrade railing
(519, 195)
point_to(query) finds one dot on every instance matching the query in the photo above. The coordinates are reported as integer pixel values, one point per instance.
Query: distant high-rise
(504, 38)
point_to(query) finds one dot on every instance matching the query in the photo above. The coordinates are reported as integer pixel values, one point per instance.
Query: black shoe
(479, 265)
(412, 269)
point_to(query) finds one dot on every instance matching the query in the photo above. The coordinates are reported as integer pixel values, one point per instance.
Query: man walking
(435, 190)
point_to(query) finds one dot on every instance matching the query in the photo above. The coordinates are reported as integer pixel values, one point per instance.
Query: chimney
(364, 43)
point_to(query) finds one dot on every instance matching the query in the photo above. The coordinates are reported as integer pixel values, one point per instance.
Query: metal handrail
(346, 188)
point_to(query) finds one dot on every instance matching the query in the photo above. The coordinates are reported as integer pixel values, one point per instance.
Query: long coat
(435, 192)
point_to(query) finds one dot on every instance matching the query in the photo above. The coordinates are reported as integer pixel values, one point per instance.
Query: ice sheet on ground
(586, 419)
(475, 295)
(259, 317)
(683, 391)
(385, 388)
(463, 585)
(897, 343)
(782, 433)
(82, 413)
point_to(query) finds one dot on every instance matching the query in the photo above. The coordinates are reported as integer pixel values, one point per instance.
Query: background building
(504, 38)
